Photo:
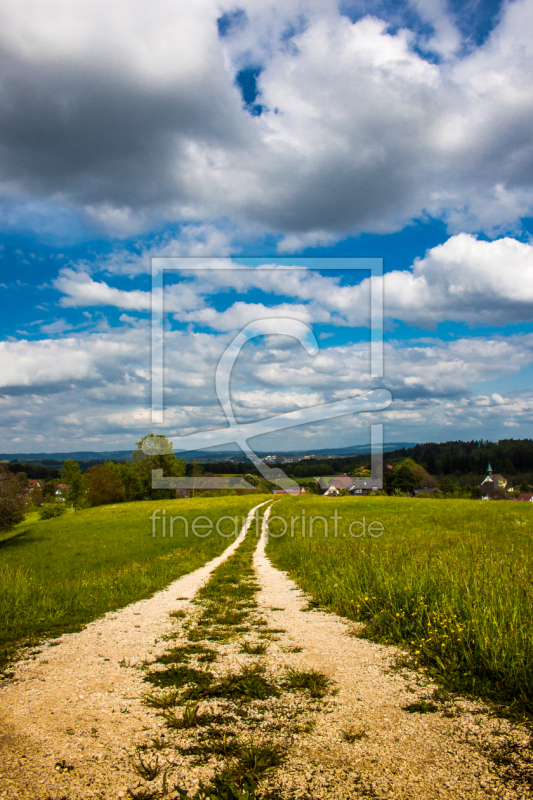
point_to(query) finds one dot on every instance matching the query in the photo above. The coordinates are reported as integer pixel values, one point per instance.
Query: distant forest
(467, 461)
(460, 458)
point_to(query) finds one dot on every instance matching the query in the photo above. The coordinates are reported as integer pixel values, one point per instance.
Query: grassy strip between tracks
(239, 720)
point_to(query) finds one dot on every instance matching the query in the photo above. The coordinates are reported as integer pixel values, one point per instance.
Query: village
(361, 483)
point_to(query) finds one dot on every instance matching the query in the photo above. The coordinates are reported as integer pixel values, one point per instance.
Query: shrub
(49, 511)
(253, 480)
(447, 484)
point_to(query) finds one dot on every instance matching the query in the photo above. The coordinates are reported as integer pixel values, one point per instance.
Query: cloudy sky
(265, 134)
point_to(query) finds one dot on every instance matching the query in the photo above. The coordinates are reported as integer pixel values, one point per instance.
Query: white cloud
(241, 314)
(412, 370)
(59, 326)
(60, 361)
(324, 300)
(129, 320)
(96, 388)
(465, 280)
(295, 243)
(446, 38)
(256, 404)
(79, 289)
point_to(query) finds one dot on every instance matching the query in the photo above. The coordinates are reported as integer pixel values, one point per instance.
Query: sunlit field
(58, 574)
(451, 580)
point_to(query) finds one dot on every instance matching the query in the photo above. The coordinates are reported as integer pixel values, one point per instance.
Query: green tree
(403, 477)
(37, 497)
(447, 485)
(524, 487)
(129, 476)
(364, 471)
(310, 470)
(69, 471)
(72, 475)
(196, 472)
(155, 452)
(49, 491)
(13, 502)
(197, 469)
(103, 486)
(424, 478)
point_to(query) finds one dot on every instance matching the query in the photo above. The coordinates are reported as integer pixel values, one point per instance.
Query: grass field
(59, 574)
(451, 581)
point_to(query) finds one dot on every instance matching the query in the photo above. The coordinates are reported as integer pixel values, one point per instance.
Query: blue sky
(275, 131)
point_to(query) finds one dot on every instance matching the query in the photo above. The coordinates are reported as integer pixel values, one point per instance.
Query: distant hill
(118, 455)
(201, 455)
(78, 455)
(359, 449)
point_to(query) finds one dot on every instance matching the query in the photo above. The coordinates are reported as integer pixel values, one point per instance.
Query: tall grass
(450, 580)
(59, 574)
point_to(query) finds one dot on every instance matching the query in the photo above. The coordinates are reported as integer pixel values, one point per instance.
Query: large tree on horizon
(154, 451)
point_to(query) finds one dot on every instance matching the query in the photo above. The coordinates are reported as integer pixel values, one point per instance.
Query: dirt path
(74, 705)
(72, 720)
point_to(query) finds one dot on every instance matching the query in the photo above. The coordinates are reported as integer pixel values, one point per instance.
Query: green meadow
(59, 574)
(451, 581)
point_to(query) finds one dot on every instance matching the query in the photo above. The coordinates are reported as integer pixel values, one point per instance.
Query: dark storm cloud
(131, 113)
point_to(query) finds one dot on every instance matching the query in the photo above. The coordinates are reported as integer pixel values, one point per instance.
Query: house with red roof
(61, 490)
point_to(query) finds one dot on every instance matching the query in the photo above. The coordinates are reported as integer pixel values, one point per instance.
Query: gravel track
(72, 717)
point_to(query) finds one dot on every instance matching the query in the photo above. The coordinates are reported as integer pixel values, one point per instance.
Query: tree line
(465, 463)
(101, 484)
